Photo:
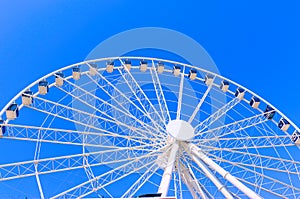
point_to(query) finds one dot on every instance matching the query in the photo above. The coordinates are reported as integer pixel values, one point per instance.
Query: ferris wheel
(127, 127)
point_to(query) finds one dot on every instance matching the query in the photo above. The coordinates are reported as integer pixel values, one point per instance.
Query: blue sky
(254, 43)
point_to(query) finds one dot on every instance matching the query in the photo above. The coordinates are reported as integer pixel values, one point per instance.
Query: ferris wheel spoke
(196, 168)
(120, 99)
(65, 163)
(179, 189)
(160, 94)
(231, 128)
(270, 162)
(141, 97)
(87, 97)
(196, 153)
(192, 182)
(141, 181)
(84, 118)
(201, 101)
(255, 185)
(65, 136)
(268, 182)
(258, 142)
(212, 177)
(75, 121)
(179, 101)
(216, 115)
(110, 178)
(86, 188)
(208, 173)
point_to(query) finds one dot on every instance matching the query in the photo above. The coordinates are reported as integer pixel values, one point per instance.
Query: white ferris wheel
(127, 127)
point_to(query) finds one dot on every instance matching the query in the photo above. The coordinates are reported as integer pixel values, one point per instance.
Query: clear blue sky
(255, 43)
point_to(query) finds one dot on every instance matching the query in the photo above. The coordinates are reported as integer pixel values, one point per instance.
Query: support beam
(160, 94)
(216, 115)
(180, 95)
(166, 178)
(196, 152)
(201, 102)
(191, 182)
(212, 177)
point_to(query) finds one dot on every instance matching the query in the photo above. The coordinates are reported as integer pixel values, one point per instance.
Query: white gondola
(240, 93)
(160, 67)
(110, 67)
(127, 64)
(43, 87)
(143, 65)
(224, 86)
(93, 69)
(254, 102)
(12, 111)
(284, 124)
(76, 73)
(208, 79)
(2, 128)
(176, 70)
(192, 74)
(269, 112)
(59, 79)
(27, 98)
(296, 137)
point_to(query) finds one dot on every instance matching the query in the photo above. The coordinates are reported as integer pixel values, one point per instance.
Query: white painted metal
(166, 178)
(160, 94)
(85, 187)
(215, 116)
(180, 130)
(188, 180)
(201, 101)
(195, 184)
(118, 102)
(142, 98)
(225, 174)
(179, 103)
(230, 144)
(235, 126)
(141, 58)
(213, 178)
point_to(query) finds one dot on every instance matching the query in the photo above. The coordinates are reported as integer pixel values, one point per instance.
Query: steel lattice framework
(120, 127)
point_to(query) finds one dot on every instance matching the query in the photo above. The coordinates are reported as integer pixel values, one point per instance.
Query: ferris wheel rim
(149, 59)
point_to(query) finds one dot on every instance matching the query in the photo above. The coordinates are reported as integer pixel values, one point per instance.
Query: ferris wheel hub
(180, 130)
